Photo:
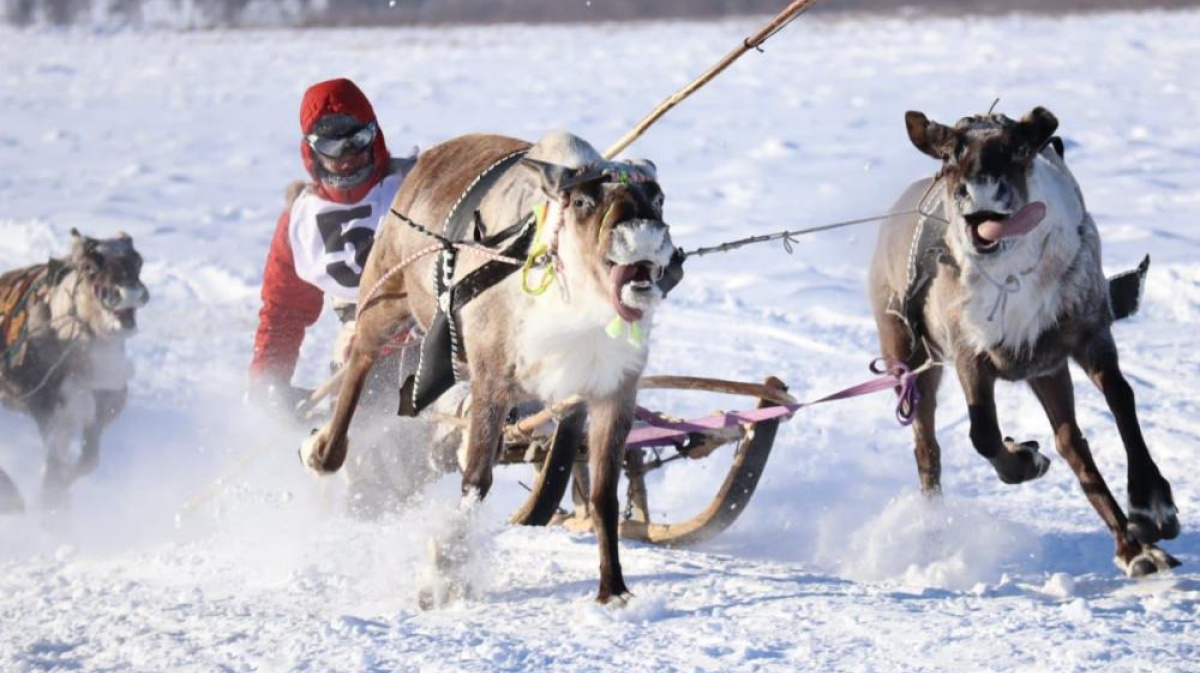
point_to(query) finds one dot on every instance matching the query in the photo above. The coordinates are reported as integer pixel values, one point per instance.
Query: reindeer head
(987, 164)
(110, 291)
(608, 230)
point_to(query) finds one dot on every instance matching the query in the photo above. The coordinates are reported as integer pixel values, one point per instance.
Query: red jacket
(291, 305)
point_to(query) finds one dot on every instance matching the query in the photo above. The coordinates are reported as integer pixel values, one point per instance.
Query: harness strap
(442, 347)
(925, 259)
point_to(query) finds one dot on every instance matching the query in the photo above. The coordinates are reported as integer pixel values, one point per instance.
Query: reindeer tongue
(621, 274)
(1022, 222)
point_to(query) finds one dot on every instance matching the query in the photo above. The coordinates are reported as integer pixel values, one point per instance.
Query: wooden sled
(554, 440)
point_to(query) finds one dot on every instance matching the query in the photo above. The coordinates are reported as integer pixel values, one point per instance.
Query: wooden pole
(755, 41)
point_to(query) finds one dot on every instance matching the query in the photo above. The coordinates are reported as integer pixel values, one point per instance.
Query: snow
(186, 141)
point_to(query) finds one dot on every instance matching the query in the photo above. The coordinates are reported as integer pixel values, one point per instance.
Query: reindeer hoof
(1149, 561)
(1020, 462)
(1150, 524)
(315, 454)
(614, 600)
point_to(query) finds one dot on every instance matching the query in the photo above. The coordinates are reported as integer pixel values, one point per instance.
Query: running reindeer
(601, 238)
(63, 326)
(998, 269)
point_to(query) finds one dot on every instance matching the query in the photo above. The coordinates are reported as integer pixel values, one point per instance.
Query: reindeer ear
(83, 251)
(79, 243)
(929, 136)
(645, 167)
(553, 177)
(1035, 130)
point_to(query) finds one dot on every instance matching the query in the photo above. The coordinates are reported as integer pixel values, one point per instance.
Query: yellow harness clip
(539, 250)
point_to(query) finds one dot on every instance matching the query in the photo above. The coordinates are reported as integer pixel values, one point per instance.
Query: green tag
(637, 335)
(614, 328)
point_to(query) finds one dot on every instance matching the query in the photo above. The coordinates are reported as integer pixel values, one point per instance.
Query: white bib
(330, 241)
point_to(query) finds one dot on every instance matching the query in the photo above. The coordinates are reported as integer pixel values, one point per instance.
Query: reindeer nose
(141, 294)
(126, 297)
(641, 240)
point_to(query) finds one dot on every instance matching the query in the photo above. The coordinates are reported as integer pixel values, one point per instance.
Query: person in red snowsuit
(319, 249)
(322, 239)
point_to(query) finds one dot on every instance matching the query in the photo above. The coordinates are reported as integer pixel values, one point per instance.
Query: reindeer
(604, 233)
(63, 328)
(1000, 272)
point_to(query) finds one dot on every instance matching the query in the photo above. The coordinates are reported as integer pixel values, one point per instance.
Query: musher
(320, 247)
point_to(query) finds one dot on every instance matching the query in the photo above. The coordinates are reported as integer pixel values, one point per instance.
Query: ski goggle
(335, 148)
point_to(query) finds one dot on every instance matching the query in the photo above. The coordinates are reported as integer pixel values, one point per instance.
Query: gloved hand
(278, 397)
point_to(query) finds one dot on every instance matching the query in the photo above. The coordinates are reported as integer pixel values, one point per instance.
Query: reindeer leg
(491, 401)
(10, 498)
(1014, 462)
(927, 450)
(609, 427)
(895, 343)
(450, 549)
(109, 404)
(1057, 395)
(1152, 513)
(56, 430)
(325, 451)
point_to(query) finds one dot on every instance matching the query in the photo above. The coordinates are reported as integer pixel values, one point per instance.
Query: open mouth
(639, 279)
(125, 312)
(983, 221)
(987, 228)
(128, 318)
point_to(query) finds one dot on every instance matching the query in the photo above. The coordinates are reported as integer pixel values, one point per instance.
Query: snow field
(186, 141)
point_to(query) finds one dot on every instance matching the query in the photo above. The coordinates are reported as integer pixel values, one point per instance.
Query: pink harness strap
(892, 374)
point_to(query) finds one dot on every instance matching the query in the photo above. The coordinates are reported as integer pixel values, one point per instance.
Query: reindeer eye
(961, 192)
(582, 202)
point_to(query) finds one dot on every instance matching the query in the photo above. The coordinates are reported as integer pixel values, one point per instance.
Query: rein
(443, 243)
(891, 374)
(789, 236)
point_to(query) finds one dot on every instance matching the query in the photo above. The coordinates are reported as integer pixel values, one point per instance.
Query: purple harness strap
(892, 374)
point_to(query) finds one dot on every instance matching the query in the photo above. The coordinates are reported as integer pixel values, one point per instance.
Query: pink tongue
(620, 275)
(1022, 222)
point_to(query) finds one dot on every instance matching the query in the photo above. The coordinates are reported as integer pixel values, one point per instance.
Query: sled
(554, 441)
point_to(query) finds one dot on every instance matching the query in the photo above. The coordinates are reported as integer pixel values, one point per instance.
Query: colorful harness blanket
(20, 291)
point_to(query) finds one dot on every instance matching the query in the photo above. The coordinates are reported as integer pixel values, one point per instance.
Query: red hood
(339, 96)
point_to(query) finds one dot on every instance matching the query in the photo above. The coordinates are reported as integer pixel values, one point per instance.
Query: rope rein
(443, 243)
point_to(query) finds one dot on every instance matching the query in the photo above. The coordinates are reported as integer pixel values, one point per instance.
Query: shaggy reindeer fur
(519, 347)
(1017, 308)
(71, 374)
